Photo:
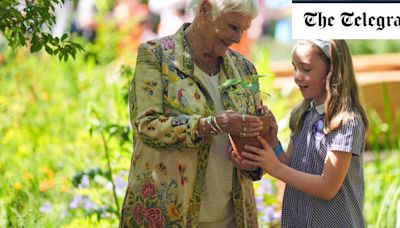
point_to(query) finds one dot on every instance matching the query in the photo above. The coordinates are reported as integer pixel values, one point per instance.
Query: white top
(217, 204)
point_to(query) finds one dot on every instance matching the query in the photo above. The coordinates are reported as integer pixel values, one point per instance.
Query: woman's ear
(205, 7)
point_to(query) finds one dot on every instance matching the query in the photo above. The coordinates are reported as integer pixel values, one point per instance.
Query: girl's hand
(272, 136)
(238, 162)
(262, 157)
(234, 123)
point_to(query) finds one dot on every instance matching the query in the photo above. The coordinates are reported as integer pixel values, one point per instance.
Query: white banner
(346, 20)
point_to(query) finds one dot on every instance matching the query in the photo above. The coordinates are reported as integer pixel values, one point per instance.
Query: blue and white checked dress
(310, 149)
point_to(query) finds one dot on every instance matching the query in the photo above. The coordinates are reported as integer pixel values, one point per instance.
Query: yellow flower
(48, 172)
(64, 188)
(45, 96)
(173, 212)
(27, 176)
(20, 56)
(17, 186)
(46, 184)
(3, 101)
(64, 184)
(16, 125)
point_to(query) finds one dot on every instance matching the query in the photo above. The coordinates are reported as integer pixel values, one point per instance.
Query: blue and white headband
(323, 45)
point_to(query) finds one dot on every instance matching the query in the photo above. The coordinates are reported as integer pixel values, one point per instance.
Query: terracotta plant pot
(238, 142)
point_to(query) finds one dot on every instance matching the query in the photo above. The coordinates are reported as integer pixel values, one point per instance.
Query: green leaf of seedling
(246, 85)
(257, 76)
(254, 87)
(237, 90)
(229, 82)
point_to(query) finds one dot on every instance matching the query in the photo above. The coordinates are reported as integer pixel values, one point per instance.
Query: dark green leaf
(23, 28)
(48, 50)
(73, 53)
(64, 37)
(21, 39)
(36, 45)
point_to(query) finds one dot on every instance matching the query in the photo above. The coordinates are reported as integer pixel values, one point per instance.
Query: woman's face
(225, 30)
(310, 72)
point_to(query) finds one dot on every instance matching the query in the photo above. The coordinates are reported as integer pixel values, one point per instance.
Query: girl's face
(310, 72)
(225, 30)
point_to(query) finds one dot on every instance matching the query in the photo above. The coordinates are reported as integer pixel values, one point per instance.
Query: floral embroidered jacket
(169, 162)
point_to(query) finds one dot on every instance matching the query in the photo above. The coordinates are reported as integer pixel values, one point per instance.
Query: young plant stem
(110, 171)
(106, 150)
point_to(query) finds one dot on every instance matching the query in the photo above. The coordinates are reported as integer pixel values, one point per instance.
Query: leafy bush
(362, 47)
(382, 189)
(23, 23)
(52, 170)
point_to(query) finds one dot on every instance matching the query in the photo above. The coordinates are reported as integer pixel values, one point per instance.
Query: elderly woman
(181, 173)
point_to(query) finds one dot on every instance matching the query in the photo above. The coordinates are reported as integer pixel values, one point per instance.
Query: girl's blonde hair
(342, 101)
(245, 7)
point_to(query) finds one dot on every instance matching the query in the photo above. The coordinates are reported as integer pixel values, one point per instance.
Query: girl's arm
(324, 186)
(285, 158)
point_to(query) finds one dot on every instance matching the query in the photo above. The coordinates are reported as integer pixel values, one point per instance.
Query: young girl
(323, 165)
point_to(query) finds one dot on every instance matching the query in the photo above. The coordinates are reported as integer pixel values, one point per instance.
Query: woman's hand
(262, 157)
(234, 123)
(238, 161)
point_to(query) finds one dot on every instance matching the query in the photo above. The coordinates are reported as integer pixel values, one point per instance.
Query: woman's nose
(237, 36)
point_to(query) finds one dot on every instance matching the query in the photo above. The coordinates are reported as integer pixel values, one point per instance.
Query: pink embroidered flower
(138, 210)
(168, 43)
(154, 218)
(148, 190)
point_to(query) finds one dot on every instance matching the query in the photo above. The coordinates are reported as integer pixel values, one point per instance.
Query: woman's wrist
(201, 127)
(208, 126)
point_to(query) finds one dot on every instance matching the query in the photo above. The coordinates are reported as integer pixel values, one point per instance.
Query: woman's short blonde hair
(245, 7)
